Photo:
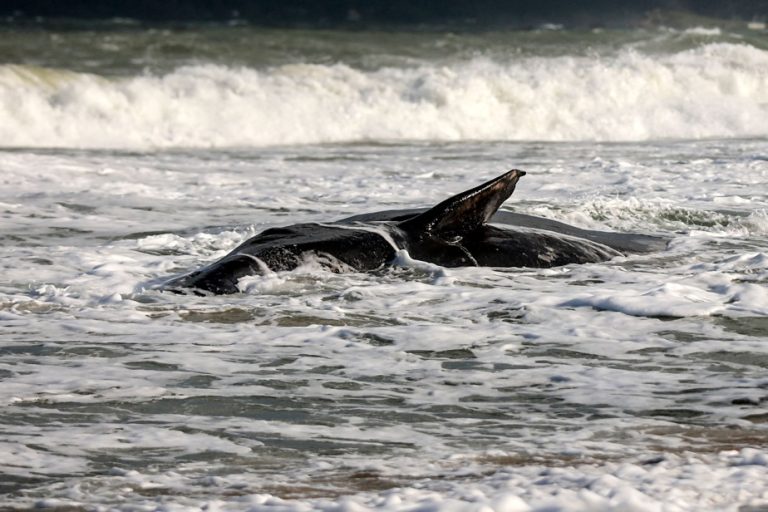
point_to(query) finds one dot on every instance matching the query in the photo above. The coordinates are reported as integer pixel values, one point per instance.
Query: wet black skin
(286, 248)
(454, 233)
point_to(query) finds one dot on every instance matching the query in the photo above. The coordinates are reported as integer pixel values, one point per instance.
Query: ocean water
(130, 154)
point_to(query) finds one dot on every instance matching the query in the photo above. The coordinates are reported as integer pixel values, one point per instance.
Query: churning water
(131, 155)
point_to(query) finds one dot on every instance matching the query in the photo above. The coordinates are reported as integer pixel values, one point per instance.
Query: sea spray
(716, 90)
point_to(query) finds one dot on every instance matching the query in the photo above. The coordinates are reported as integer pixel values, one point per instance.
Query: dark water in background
(426, 13)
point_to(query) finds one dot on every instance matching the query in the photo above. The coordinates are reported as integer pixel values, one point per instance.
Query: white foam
(417, 374)
(669, 299)
(728, 480)
(716, 90)
(438, 275)
(703, 31)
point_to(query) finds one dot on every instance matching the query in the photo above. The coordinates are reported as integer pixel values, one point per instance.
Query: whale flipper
(454, 233)
(464, 212)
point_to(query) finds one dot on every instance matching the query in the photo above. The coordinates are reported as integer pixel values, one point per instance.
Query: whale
(466, 229)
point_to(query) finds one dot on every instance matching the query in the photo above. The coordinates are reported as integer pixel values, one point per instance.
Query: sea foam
(715, 90)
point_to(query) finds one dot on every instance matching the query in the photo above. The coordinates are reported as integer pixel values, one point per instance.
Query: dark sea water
(131, 153)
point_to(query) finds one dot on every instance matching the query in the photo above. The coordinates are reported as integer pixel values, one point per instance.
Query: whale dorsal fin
(466, 211)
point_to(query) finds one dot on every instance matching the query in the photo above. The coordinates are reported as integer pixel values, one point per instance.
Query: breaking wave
(716, 90)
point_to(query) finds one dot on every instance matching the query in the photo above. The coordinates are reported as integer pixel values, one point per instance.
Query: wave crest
(717, 90)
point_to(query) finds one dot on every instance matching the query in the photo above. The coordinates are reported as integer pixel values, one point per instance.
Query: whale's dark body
(454, 233)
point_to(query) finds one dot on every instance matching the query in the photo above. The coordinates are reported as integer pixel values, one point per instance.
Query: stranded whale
(454, 233)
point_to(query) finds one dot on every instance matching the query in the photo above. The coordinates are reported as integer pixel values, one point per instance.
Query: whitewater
(132, 154)
(714, 90)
